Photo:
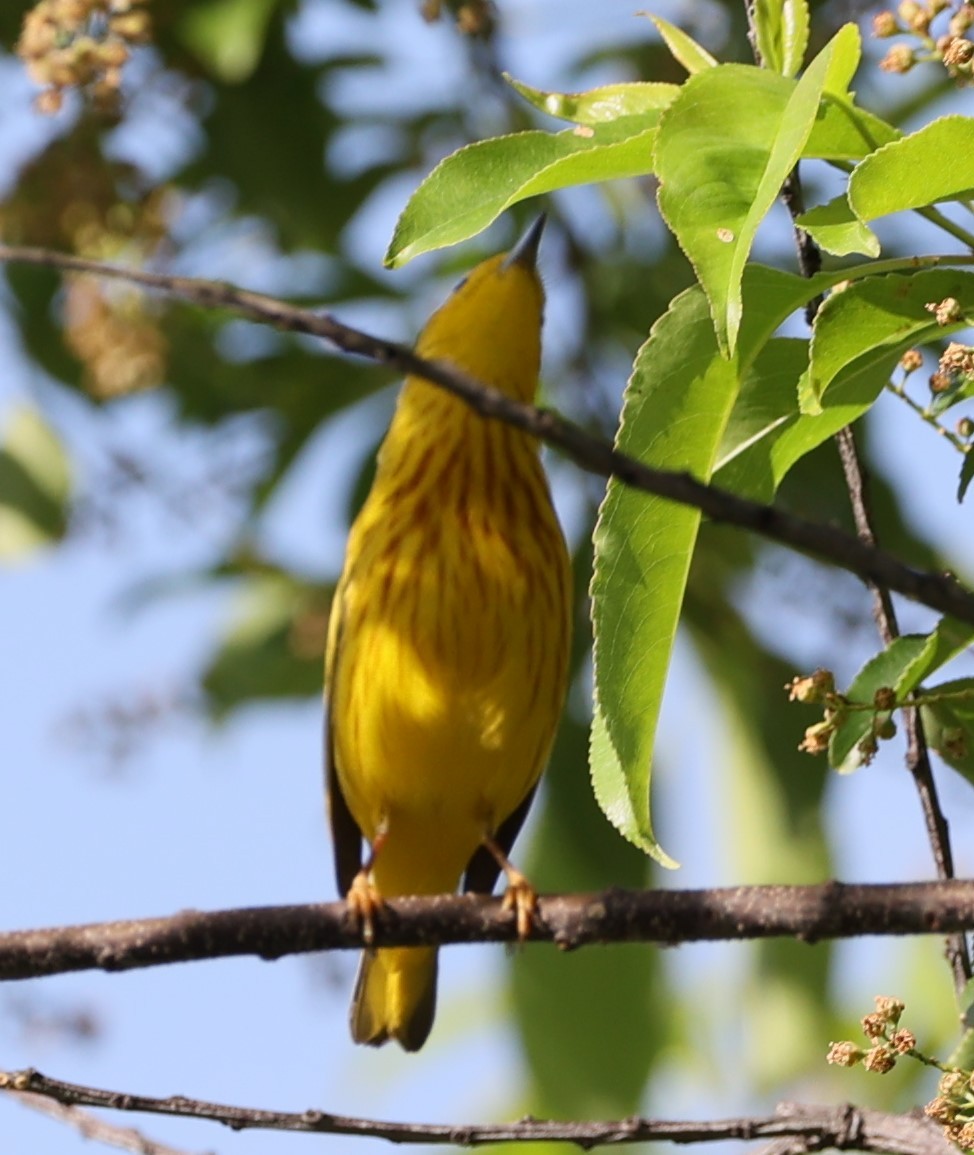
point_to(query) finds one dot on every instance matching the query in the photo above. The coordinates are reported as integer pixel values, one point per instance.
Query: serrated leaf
(766, 434)
(683, 48)
(949, 725)
(873, 321)
(794, 21)
(781, 29)
(599, 105)
(900, 667)
(676, 403)
(472, 187)
(723, 151)
(934, 164)
(837, 229)
(35, 484)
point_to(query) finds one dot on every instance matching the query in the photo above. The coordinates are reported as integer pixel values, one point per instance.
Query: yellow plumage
(448, 643)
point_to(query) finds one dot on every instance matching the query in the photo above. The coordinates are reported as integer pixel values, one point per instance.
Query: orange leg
(363, 900)
(520, 896)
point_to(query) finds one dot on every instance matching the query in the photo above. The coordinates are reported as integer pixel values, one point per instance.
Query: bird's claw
(363, 902)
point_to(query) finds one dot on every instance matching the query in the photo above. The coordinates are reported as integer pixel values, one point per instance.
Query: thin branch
(808, 913)
(928, 418)
(884, 612)
(938, 591)
(843, 1127)
(90, 1127)
(809, 254)
(917, 754)
(857, 485)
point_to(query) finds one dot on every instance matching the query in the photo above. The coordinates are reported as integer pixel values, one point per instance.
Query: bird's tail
(395, 997)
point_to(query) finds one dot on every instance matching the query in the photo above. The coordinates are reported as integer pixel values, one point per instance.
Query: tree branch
(917, 754)
(938, 591)
(812, 1127)
(884, 612)
(88, 1126)
(808, 913)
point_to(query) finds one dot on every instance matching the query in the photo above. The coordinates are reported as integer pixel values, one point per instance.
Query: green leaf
(873, 321)
(837, 229)
(34, 485)
(472, 187)
(683, 48)
(676, 404)
(227, 35)
(724, 149)
(845, 132)
(599, 105)
(934, 164)
(261, 656)
(960, 389)
(962, 1057)
(770, 435)
(781, 27)
(949, 726)
(794, 24)
(902, 666)
(966, 475)
(579, 1069)
(766, 434)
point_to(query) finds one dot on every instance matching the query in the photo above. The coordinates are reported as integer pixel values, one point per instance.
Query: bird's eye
(459, 285)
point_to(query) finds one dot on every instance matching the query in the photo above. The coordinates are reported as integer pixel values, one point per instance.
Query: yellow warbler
(448, 642)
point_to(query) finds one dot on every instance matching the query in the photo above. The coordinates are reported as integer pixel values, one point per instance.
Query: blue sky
(207, 819)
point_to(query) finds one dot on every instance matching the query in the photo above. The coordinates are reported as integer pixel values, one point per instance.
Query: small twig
(843, 1127)
(884, 613)
(89, 1127)
(808, 913)
(809, 254)
(926, 416)
(857, 485)
(917, 754)
(938, 591)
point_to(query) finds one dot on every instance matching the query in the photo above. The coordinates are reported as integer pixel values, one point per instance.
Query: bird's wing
(483, 868)
(345, 835)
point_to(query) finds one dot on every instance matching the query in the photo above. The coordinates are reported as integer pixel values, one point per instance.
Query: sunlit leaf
(873, 321)
(724, 149)
(599, 105)
(837, 229)
(683, 48)
(900, 667)
(472, 187)
(781, 28)
(933, 164)
(677, 401)
(34, 484)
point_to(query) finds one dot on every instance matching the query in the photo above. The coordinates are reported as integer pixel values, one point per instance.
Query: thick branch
(938, 591)
(843, 1127)
(809, 913)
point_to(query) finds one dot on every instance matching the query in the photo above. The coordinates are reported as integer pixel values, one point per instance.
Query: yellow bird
(447, 652)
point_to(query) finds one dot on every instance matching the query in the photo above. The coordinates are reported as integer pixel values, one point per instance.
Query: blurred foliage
(272, 166)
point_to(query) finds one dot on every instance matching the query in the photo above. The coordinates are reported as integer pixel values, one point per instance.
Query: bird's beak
(525, 252)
